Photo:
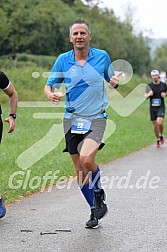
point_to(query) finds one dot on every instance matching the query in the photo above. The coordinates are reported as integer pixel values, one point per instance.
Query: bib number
(80, 126)
(156, 102)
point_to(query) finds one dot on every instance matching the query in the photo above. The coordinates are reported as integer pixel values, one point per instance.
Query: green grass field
(37, 138)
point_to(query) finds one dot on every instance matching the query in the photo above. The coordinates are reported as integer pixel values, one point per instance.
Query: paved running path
(136, 222)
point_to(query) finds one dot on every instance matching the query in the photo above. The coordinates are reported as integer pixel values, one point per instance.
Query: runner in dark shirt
(156, 91)
(9, 90)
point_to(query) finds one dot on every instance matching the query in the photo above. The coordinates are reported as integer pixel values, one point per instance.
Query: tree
(160, 59)
(41, 27)
(69, 1)
(4, 29)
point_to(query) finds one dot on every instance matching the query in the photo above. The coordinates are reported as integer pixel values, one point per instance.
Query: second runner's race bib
(156, 102)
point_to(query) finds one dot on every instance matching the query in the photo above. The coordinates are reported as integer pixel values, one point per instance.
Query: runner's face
(80, 36)
(155, 77)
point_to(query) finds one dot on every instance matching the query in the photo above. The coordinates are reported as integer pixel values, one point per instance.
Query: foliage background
(41, 27)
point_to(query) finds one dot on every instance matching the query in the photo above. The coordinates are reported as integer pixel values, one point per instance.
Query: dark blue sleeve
(163, 87)
(56, 76)
(109, 71)
(4, 81)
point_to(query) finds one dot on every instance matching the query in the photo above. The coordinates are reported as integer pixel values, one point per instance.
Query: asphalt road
(136, 187)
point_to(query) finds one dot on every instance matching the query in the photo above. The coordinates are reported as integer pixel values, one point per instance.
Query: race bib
(156, 102)
(80, 126)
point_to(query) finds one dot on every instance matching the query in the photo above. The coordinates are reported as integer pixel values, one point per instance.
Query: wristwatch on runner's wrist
(13, 115)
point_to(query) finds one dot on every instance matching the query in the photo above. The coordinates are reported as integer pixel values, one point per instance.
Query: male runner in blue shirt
(83, 71)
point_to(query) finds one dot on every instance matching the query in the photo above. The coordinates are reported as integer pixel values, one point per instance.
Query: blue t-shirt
(85, 90)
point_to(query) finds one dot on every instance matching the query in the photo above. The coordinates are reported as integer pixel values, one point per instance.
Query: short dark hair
(80, 21)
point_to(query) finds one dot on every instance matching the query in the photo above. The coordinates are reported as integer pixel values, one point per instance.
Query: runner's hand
(11, 122)
(114, 81)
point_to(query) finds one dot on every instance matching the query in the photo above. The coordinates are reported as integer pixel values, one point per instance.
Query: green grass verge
(132, 133)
